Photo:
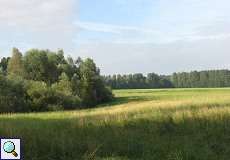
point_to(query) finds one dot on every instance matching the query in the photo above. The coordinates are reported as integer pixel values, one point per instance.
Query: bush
(37, 92)
(70, 102)
(13, 96)
(45, 98)
(104, 94)
(52, 107)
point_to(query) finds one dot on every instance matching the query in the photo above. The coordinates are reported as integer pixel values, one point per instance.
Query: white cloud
(37, 23)
(36, 14)
(109, 28)
(133, 34)
(169, 22)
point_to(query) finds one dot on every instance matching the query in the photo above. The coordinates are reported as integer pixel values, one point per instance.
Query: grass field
(173, 124)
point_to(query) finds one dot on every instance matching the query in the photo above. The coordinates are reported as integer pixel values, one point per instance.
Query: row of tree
(43, 80)
(203, 79)
(135, 81)
(195, 79)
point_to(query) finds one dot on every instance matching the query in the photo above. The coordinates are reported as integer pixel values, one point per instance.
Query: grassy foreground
(175, 124)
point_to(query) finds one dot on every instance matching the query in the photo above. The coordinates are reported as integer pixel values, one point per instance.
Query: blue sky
(123, 36)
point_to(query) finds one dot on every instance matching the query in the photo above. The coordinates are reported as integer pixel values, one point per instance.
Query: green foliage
(51, 98)
(37, 65)
(63, 85)
(48, 81)
(104, 94)
(64, 88)
(88, 74)
(38, 93)
(93, 90)
(13, 97)
(15, 66)
(4, 64)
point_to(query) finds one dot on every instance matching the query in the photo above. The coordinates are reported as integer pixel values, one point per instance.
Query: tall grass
(175, 124)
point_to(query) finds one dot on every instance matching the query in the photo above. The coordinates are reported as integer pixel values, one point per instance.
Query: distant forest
(42, 80)
(195, 79)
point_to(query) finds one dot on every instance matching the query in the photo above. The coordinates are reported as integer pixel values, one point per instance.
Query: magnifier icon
(9, 147)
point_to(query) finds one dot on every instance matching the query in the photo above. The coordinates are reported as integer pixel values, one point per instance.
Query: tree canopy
(43, 80)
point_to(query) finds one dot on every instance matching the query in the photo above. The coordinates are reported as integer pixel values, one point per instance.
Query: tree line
(138, 81)
(194, 79)
(202, 79)
(43, 80)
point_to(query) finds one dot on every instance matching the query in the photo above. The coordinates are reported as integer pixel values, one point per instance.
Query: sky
(123, 36)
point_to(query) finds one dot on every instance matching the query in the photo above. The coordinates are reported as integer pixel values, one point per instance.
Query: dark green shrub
(13, 96)
(52, 107)
(46, 98)
(37, 92)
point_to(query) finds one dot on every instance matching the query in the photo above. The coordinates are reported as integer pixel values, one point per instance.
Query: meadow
(164, 124)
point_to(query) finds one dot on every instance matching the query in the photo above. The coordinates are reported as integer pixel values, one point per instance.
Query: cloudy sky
(123, 36)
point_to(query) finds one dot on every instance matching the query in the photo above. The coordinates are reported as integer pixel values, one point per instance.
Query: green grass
(173, 124)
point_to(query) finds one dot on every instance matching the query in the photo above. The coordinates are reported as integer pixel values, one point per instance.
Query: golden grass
(206, 103)
(178, 124)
